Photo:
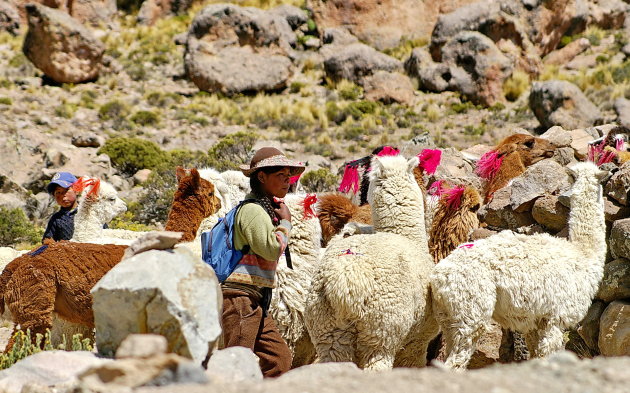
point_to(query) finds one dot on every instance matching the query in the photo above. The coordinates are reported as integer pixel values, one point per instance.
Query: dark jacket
(61, 225)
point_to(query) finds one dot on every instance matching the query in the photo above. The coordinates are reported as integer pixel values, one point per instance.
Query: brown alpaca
(336, 210)
(455, 218)
(517, 152)
(58, 277)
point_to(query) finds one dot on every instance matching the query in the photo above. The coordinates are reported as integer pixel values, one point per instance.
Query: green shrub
(162, 100)
(65, 110)
(15, 228)
(321, 180)
(6, 101)
(349, 90)
(129, 155)
(152, 208)
(188, 158)
(232, 150)
(475, 131)
(516, 85)
(88, 99)
(360, 108)
(114, 109)
(296, 87)
(126, 221)
(24, 346)
(145, 118)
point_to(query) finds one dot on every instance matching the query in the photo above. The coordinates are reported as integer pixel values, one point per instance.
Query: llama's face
(529, 148)
(108, 202)
(398, 173)
(192, 189)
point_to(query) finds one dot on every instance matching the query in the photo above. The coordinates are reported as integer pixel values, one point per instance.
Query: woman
(262, 231)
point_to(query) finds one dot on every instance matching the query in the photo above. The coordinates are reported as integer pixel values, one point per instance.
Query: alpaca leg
(460, 345)
(414, 353)
(544, 341)
(376, 359)
(32, 303)
(335, 345)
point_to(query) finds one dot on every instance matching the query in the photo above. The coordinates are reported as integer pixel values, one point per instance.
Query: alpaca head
(530, 149)
(587, 178)
(99, 199)
(463, 198)
(193, 190)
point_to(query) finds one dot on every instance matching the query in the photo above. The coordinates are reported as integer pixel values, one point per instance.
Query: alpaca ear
(412, 163)
(196, 179)
(601, 175)
(507, 148)
(180, 173)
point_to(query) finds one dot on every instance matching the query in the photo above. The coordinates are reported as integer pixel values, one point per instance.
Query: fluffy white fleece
(537, 285)
(287, 304)
(369, 302)
(230, 187)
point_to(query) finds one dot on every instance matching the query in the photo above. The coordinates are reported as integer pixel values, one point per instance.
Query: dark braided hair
(263, 199)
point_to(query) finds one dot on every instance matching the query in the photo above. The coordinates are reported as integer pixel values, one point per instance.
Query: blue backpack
(217, 245)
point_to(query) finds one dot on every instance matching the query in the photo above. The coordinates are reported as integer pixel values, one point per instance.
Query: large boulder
(357, 61)
(431, 76)
(588, 328)
(9, 18)
(93, 12)
(619, 240)
(47, 368)
(233, 49)
(499, 213)
(561, 103)
(171, 293)
(550, 213)
(388, 87)
(616, 282)
(60, 46)
(382, 23)
(477, 67)
(614, 330)
(545, 177)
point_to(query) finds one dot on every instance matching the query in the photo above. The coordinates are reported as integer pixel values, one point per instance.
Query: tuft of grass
(432, 112)
(349, 90)
(406, 46)
(114, 109)
(146, 118)
(6, 101)
(516, 85)
(66, 110)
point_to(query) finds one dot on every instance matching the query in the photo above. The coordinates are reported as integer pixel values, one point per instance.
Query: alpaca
(455, 219)
(369, 301)
(536, 284)
(287, 303)
(509, 159)
(58, 277)
(336, 210)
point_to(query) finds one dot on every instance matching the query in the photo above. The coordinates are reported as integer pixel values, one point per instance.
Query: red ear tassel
(620, 143)
(453, 197)
(388, 151)
(308, 202)
(429, 160)
(350, 179)
(488, 165)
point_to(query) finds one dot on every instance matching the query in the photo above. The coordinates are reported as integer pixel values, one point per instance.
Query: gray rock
(233, 365)
(614, 329)
(568, 53)
(477, 67)
(544, 177)
(156, 240)
(588, 328)
(622, 108)
(295, 16)
(356, 61)
(564, 156)
(9, 18)
(550, 213)
(619, 240)
(561, 103)
(608, 14)
(233, 49)
(47, 368)
(431, 75)
(54, 158)
(499, 214)
(388, 87)
(88, 140)
(142, 346)
(619, 184)
(558, 136)
(93, 12)
(616, 282)
(614, 211)
(141, 176)
(171, 293)
(61, 47)
(338, 36)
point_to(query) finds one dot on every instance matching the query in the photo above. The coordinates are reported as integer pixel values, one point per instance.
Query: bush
(113, 110)
(153, 206)
(23, 346)
(6, 101)
(66, 110)
(359, 109)
(15, 228)
(145, 118)
(129, 155)
(321, 180)
(349, 90)
(232, 150)
(516, 85)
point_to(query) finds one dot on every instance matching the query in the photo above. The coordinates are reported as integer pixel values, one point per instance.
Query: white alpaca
(96, 208)
(369, 302)
(230, 187)
(537, 285)
(289, 298)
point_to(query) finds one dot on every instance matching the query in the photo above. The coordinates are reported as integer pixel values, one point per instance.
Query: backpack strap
(287, 253)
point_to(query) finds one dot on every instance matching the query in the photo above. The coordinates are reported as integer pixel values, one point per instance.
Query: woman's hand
(283, 212)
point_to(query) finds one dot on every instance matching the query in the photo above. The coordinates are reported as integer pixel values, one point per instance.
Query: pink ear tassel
(429, 160)
(388, 151)
(606, 157)
(350, 179)
(620, 143)
(294, 179)
(488, 165)
(308, 203)
(437, 188)
(454, 197)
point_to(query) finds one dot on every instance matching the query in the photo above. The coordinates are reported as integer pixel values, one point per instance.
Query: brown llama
(58, 277)
(509, 159)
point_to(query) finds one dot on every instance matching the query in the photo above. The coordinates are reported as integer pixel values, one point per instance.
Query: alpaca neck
(87, 223)
(402, 217)
(587, 229)
(185, 217)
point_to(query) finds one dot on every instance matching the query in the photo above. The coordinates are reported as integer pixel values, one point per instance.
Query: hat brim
(296, 168)
(62, 183)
